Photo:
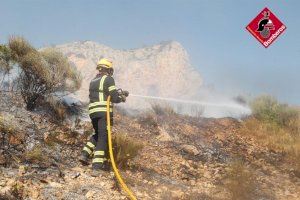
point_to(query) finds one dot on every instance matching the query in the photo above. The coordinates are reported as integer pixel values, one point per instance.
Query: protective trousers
(98, 143)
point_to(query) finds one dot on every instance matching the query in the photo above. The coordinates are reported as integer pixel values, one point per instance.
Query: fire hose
(111, 154)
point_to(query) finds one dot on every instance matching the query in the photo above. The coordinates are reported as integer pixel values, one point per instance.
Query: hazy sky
(213, 33)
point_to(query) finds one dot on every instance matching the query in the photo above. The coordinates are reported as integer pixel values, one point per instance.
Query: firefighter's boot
(96, 172)
(87, 152)
(100, 168)
(97, 169)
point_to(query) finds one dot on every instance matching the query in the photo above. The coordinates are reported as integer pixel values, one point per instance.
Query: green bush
(42, 73)
(268, 109)
(287, 116)
(5, 59)
(6, 62)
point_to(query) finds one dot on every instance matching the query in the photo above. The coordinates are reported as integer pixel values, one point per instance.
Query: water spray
(202, 103)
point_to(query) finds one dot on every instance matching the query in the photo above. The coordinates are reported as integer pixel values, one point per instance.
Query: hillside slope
(183, 158)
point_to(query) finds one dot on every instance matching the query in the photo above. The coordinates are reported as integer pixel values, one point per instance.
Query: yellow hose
(111, 154)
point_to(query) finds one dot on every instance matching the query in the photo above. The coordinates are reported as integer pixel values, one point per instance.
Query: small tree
(34, 79)
(42, 73)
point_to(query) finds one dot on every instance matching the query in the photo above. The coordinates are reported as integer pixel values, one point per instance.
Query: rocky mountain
(161, 70)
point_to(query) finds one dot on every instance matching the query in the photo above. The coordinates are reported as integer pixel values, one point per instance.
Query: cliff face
(160, 70)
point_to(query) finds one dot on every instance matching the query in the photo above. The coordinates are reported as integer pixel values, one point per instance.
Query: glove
(123, 98)
(123, 94)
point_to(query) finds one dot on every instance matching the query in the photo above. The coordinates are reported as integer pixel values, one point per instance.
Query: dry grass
(6, 125)
(195, 195)
(60, 70)
(125, 149)
(36, 155)
(19, 47)
(148, 120)
(16, 192)
(162, 109)
(58, 109)
(197, 111)
(240, 181)
(51, 140)
(276, 138)
(9, 130)
(276, 126)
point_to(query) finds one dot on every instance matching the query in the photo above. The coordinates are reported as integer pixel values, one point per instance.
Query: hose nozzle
(123, 92)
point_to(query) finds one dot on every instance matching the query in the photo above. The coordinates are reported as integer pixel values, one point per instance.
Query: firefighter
(100, 88)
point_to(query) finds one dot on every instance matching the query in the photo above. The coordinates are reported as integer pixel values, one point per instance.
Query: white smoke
(218, 108)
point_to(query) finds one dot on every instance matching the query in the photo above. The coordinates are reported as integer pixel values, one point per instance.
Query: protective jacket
(100, 88)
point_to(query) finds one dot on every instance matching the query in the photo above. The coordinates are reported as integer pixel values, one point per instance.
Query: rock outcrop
(161, 70)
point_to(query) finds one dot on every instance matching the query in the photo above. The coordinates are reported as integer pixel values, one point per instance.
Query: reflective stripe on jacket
(100, 88)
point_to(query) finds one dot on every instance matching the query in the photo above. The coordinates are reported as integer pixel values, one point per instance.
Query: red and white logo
(266, 27)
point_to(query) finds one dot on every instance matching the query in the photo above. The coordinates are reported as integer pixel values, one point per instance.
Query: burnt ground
(182, 158)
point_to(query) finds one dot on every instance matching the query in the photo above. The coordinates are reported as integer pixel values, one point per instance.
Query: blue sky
(212, 31)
